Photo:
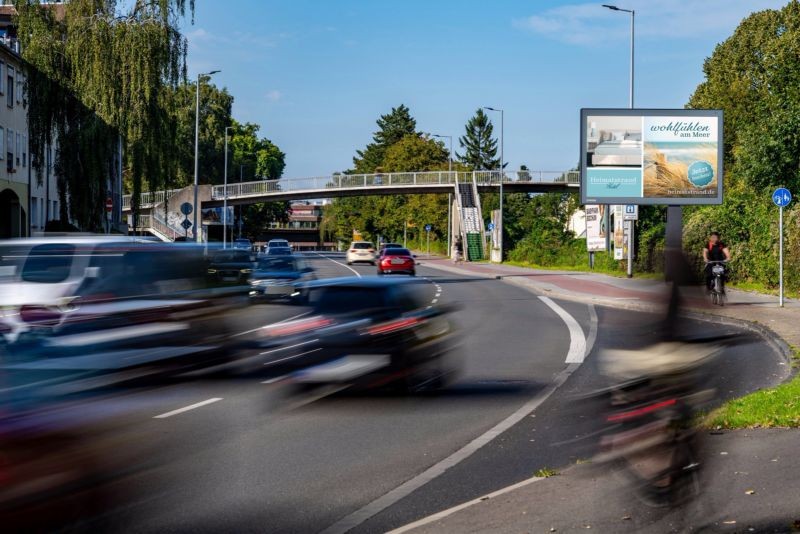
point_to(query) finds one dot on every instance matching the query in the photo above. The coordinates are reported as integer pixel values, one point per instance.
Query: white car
(361, 251)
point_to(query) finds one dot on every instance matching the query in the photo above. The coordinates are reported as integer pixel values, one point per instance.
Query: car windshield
(397, 252)
(362, 245)
(335, 300)
(242, 243)
(278, 251)
(231, 256)
(279, 264)
(48, 264)
(278, 243)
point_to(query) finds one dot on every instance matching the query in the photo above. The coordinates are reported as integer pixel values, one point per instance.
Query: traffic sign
(186, 224)
(428, 227)
(631, 212)
(490, 226)
(781, 197)
(109, 205)
(187, 208)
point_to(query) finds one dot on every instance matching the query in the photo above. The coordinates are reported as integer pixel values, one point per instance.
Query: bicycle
(717, 287)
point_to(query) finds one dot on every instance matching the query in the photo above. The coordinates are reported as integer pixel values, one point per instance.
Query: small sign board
(186, 224)
(187, 208)
(631, 212)
(490, 226)
(428, 227)
(781, 197)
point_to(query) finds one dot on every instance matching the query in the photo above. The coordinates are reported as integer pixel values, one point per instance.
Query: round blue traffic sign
(491, 226)
(781, 197)
(428, 227)
(187, 208)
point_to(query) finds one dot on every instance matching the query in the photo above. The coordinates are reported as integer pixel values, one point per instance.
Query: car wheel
(380, 273)
(413, 273)
(349, 263)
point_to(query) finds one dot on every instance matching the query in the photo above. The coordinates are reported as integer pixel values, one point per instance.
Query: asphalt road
(240, 461)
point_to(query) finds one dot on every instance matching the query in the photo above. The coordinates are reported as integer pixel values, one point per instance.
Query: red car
(396, 260)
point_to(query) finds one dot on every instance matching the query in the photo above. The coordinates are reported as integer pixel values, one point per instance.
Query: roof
(59, 8)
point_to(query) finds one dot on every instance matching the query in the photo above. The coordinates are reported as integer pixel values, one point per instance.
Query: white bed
(618, 152)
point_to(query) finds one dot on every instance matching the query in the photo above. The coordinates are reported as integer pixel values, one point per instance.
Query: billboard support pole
(674, 242)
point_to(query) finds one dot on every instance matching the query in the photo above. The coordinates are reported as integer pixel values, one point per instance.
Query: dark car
(396, 260)
(231, 266)
(277, 276)
(390, 245)
(365, 332)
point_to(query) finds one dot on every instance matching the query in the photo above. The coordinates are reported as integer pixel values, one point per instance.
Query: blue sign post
(491, 226)
(781, 197)
(428, 228)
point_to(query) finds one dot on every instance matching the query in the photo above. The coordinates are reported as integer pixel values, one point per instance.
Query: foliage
(99, 74)
(392, 127)
(480, 148)
(773, 407)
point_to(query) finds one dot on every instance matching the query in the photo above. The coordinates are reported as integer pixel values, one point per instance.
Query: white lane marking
(267, 326)
(273, 362)
(115, 334)
(187, 408)
(577, 341)
(450, 511)
(400, 492)
(342, 264)
(276, 379)
(592, 330)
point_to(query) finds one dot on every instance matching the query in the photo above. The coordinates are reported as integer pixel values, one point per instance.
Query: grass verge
(767, 408)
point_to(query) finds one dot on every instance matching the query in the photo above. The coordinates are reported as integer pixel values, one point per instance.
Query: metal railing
(355, 181)
(153, 222)
(149, 199)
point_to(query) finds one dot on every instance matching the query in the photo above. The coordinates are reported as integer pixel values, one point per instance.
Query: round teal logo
(700, 173)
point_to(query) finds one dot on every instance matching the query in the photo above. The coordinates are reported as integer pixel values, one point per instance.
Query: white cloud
(273, 96)
(591, 24)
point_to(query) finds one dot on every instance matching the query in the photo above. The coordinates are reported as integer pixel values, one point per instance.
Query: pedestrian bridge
(342, 185)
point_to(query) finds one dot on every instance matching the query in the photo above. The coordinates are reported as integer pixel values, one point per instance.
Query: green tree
(480, 148)
(98, 74)
(415, 153)
(261, 158)
(392, 127)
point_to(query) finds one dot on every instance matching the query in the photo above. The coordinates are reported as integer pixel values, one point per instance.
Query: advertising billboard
(596, 222)
(651, 156)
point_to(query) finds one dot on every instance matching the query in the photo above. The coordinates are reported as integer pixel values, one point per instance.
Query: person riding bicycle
(715, 250)
(458, 247)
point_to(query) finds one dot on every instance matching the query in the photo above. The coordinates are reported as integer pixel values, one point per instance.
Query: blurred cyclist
(715, 250)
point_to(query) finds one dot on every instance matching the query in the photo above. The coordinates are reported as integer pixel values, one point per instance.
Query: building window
(2, 75)
(10, 92)
(18, 147)
(19, 88)
(2, 141)
(10, 150)
(24, 150)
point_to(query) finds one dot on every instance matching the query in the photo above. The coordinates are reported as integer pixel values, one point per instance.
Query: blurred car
(384, 246)
(361, 251)
(278, 251)
(396, 260)
(365, 332)
(280, 243)
(277, 276)
(242, 244)
(231, 266)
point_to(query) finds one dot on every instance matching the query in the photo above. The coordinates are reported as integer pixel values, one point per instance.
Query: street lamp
(630, 105)
(197, 142)
(225, 198)
(449, 195)
(502, 173)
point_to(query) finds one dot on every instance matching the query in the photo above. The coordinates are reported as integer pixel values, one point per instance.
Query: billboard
(651, 156)
(596, 222)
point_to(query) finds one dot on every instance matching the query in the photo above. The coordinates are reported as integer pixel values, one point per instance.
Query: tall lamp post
(200, 76)
(225, 195)
(449, 195)
(630, 105)
(502, 173)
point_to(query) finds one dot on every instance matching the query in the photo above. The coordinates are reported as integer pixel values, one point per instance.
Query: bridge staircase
(471, 223)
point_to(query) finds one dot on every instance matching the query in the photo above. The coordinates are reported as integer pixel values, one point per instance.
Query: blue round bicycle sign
(781, 197)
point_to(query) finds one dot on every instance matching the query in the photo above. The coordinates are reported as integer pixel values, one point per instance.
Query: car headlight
(246, 271)
(212, 271)
(261, 282)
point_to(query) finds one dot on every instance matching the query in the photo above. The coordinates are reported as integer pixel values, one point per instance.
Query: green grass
(767, 408)
(545, 472)
(585, 269)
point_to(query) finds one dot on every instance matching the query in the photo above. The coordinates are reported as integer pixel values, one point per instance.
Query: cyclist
(715, 250)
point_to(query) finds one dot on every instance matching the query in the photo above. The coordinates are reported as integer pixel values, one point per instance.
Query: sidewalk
(752, 477)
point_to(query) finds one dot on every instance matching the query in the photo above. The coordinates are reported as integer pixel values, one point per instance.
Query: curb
(777, 342)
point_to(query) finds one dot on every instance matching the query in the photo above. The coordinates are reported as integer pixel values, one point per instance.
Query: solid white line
(454, 509)
(577, 341)
(287, 347)
(274, 380)
(592, 330)
(187, 408)
(342, 264)
(381, 503)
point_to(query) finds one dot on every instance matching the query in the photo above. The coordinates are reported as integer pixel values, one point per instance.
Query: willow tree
(98, 75)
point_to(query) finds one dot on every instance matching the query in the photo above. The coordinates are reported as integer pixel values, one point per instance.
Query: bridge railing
(156, 223)
(149, 198)
(355, 181)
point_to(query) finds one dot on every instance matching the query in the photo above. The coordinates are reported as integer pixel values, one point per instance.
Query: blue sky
(317, 74)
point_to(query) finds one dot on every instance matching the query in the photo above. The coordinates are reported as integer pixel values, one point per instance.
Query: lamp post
(630, 105)
(449, 195)
(502, 173)
(197, 143)
(225, 195)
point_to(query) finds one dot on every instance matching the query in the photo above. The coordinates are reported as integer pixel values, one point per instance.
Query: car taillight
(638, 412)
(392, 326)
(40, 315)
(297, 327)
(352, 250)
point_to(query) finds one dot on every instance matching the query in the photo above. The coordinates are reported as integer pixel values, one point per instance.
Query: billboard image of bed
(645, 156)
